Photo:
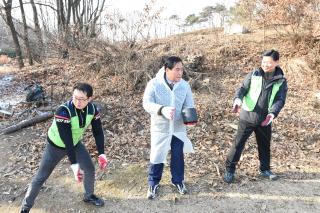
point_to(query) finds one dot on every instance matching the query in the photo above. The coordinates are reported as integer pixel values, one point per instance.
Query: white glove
(78, 173)
(236, 105)
(168, 112)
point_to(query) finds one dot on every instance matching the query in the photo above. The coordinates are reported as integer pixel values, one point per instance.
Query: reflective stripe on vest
(275, 88)
(77, 132)
(251, 98)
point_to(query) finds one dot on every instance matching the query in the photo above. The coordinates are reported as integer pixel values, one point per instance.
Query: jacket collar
(162, 78)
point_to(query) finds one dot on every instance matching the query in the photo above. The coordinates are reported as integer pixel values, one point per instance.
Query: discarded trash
(35, 93)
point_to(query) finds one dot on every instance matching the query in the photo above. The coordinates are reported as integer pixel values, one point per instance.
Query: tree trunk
(26, 123)
(37, 31)
(96, 17)
(25, 34)
(8, 8)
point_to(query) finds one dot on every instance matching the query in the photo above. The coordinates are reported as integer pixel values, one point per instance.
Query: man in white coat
(164, 98)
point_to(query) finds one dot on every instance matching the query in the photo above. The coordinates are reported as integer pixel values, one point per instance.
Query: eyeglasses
(80, 99)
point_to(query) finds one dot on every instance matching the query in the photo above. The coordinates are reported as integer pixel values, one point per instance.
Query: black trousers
(263, 137)
(51, 157)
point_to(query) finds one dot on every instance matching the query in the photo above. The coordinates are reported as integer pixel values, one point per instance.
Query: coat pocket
(160, 124)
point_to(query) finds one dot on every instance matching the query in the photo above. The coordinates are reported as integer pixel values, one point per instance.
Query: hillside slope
(215, 66)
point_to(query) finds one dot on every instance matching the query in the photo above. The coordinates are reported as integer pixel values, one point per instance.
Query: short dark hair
(273, 54)
(84, 87)
(171, 61)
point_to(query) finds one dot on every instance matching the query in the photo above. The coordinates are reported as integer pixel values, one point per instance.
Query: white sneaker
(181, 188)
(269, 174)
(152, 192)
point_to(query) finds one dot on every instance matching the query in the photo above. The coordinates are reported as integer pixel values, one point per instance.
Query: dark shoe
(152, 192)
(228, 177)
(94, 200)
(268, 174)
(24, 211)
(181, 188)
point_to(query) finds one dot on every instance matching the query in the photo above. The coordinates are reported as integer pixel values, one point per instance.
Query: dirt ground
(124, 189)
(124, 184)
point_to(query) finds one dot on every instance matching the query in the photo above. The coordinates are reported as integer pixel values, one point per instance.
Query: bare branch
(38, 3)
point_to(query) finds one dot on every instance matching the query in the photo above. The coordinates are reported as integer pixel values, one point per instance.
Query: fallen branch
(4, 113)
(27, 123)
(217, 168)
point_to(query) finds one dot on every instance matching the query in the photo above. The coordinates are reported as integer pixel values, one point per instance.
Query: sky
(182, 8)
(128, 9)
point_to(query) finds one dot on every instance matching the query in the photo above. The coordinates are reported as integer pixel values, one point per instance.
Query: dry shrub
(125, 69)
(305, 69)
(4, 59)
(298, 71)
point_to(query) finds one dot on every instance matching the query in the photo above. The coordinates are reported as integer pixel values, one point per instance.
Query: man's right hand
(78, 173)
(103, 162)
(168, 112)
(236, 105)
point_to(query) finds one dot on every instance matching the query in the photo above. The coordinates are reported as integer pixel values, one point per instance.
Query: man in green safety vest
(261, 96)
(64, 139)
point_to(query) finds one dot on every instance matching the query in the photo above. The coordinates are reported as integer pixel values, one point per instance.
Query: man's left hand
(103, 162)
(268, 120)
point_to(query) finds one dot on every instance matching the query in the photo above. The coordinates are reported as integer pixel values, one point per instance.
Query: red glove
(103, 162)
(268, 120)
(236, 105)
(236, 109)
(78, 173)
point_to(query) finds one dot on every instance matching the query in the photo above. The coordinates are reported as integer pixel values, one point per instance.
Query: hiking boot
(181, 188)
(152, 192)
(269, 174)
(24, 211)
(228, 177)
(94, 200)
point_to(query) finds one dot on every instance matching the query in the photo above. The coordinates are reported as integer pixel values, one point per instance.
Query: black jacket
(260, 111)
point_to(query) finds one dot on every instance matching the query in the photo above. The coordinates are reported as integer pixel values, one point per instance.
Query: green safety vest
(77, 132)
(251, 98)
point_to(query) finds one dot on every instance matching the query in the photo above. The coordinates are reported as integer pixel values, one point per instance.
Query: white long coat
(157, 94)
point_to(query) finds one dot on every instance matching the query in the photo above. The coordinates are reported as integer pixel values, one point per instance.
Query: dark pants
(176, 165)
(263, 137)
(51, 157)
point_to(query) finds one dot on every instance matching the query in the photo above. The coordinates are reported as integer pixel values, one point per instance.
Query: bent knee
(88, 168)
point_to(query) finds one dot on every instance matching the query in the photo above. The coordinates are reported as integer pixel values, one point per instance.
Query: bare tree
(38, 32)
(25, 34)
(96, 18)
(296, 18)
(137, 25)
(8, 19)
(78, 18)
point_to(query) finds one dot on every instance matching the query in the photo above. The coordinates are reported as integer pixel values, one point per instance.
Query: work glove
(236, 105)
(103, 162)
(168, 112)
(78, 173)
(268, 120)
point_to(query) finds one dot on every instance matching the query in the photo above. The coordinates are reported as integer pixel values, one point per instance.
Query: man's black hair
(273, 54)
(171, 61)
(84, 87)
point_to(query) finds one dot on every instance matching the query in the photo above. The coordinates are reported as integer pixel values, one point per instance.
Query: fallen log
(27, 123)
